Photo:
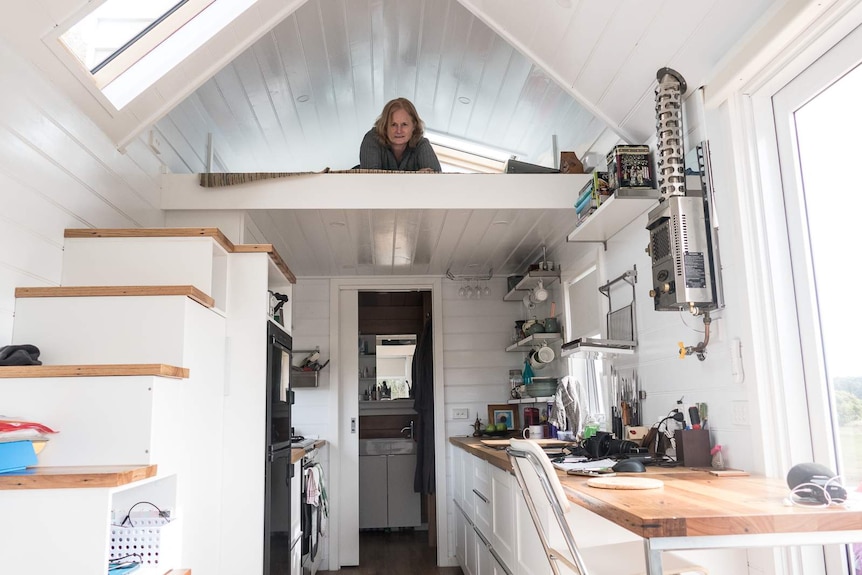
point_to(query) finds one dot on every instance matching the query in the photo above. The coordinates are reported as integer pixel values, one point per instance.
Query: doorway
(344, 406)
(391, 430)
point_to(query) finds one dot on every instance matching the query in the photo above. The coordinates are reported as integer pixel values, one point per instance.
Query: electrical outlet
(740, 412)
(460, 413)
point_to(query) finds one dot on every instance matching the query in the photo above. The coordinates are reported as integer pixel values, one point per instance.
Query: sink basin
(387, 446)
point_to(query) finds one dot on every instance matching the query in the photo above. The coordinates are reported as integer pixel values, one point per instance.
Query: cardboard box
(630, 167)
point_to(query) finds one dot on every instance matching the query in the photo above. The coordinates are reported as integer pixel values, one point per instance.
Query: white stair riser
(102, 420)
(200, 262)
(99, 330)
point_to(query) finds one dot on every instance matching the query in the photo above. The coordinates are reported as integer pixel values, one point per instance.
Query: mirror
(395, 364)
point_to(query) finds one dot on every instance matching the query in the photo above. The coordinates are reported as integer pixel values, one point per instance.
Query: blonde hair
(389, 109)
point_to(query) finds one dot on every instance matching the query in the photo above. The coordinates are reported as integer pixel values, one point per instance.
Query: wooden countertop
(297, 454)
(693, 502)
(76, 477)
(107, 370)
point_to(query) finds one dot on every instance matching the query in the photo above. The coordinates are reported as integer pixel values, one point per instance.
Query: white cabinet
(503, 486)
(373, 506)
(485, 516)
(387, 498)
(529, 554)
(404, 503)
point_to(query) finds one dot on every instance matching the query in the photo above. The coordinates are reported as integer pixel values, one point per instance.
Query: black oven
(277, 467)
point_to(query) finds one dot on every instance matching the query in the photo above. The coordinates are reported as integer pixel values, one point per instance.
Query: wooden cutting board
(541, 442)
(625, 482)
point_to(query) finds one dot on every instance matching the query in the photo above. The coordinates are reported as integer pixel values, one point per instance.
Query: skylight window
(106, 32)
(458, 155)
(125, 46)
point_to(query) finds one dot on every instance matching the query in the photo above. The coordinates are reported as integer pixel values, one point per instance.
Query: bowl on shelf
(540, 387)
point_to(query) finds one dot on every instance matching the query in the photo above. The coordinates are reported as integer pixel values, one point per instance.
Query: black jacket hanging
(423, 393)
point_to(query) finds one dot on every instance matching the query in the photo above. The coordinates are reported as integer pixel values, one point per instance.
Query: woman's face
(400, 128)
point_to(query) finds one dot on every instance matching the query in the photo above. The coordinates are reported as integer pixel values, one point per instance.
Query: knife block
(692, 447)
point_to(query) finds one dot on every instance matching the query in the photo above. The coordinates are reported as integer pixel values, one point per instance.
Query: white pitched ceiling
(293, 85)
(303, 95)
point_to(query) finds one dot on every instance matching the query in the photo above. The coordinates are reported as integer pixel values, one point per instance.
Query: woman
(396, 141)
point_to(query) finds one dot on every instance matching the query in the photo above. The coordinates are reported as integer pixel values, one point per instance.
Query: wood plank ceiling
(304, 94)
(308, 82)
(486, 71)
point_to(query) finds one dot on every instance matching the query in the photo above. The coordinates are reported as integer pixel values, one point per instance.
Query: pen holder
(692, 447)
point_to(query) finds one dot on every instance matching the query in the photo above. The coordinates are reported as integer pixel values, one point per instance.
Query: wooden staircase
(136, 379)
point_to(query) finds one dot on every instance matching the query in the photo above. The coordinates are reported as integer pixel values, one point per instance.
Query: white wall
(57, 171)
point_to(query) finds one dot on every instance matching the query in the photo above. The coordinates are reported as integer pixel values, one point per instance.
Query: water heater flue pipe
(670, 150)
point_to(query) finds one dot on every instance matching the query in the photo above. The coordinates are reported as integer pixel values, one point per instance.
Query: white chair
(543, 492)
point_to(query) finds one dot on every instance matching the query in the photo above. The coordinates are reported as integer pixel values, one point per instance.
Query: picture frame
(500, 412)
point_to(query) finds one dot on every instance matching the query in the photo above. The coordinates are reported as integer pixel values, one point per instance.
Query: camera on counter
(604, 444)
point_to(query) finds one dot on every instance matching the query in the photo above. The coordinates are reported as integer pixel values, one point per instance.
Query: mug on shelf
(534, 432)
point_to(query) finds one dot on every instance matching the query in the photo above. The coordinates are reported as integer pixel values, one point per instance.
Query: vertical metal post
(555, 150)
(210, 153)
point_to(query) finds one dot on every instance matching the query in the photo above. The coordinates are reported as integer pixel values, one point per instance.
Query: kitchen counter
(296, 454)
(474, 446)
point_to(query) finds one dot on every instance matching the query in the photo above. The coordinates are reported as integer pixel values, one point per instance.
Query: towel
(566, 412)
(312, 486)
(19, 355)
(321, 500)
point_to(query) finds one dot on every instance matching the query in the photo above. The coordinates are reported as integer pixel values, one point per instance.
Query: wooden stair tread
(106, 370)
(214, 233)
(107, 291)
(76, 477)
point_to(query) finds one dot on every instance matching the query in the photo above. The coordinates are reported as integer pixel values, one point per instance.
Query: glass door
(818, 121)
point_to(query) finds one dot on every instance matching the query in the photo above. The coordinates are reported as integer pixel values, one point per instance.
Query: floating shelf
(530, 281)
(533, 400)
(587, 350)
(615, 213)
(530, 341)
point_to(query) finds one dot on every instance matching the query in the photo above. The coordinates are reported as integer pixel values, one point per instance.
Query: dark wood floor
(396, 553)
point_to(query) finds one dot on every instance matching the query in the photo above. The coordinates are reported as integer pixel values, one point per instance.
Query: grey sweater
(374, 156)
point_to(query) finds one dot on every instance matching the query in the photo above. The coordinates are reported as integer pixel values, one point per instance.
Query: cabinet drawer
(482, 502)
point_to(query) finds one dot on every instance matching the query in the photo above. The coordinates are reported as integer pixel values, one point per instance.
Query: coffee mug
(534, 432)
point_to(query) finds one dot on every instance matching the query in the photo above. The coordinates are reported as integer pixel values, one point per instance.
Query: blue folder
(16, 455)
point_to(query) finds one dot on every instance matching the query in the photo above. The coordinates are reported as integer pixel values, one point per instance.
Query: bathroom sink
(387, 446)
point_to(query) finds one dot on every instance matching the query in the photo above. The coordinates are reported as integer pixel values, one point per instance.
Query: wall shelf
(530, 281)
(588, 350)
(547, 399)
(615, 213)
(530, 341)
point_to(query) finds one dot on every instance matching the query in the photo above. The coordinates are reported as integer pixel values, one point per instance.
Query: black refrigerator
(278, 469)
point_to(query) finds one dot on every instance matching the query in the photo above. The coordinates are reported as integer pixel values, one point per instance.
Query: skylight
(459, 155)
(125, 46)
(110, 29)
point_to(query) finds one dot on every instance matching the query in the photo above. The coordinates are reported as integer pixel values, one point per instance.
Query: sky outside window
(110, 26)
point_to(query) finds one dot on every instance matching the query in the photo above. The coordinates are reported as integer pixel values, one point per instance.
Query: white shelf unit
(590, 351)
(530, 341)
(526, 400)
(615, 213)
(530, 281)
